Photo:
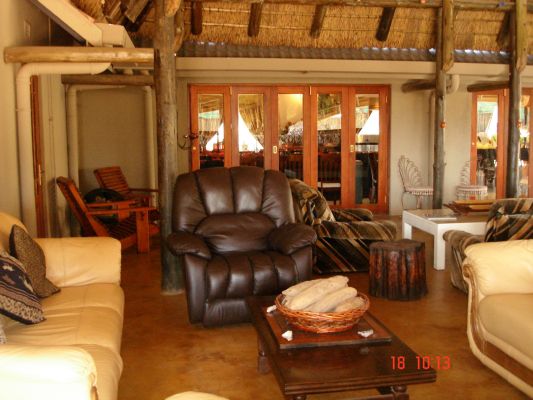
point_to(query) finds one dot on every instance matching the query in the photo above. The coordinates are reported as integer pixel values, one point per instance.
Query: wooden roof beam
(172, 7)
(115, 55)
(135, 9)
(108, 79)
(196, 17)
(385, 23)
(487, 5)
(418, 84)
(448, 35)
(113, 11)
(256, 10)
(318, 21)
(503, 33)
(490, 85)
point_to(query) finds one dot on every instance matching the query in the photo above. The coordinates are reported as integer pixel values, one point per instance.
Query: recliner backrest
(234, 209)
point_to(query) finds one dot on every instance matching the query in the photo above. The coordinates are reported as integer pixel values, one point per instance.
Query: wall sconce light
(188, 142)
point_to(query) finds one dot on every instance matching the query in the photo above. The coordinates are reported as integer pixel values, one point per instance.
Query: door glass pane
(487, 134)
(329, 146)
(291, 129)
(367, 132)
(211, 130)
(525, 115)
(251, 129)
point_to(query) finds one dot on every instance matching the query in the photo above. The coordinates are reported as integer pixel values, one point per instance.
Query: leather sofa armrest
(352, 214)
(46, 372)
(181, 243)
(357, 230)
(80, 261)
(291, 237)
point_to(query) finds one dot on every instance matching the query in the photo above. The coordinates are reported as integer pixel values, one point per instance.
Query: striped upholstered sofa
(344, 235)
(508, 219)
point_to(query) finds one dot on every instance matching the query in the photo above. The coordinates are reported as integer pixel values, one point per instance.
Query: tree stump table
(398, 270)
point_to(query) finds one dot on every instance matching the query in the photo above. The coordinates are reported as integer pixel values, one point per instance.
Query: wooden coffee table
(387, 367)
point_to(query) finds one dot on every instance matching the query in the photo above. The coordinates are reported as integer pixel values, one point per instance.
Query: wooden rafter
(418, 84)
(488, 5)
(385, 22)
(196, 17)
(503, 33)
(318, 20)
(112, 10)
(491, 85)
(448, 35)
(108, 79)
(256, 10)
(135, 9)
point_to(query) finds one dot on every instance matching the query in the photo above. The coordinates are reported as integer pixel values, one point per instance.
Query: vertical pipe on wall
(25, 145)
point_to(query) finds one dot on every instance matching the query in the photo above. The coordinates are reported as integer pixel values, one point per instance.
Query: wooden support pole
(108, 79)
(492, 85)
(167, 138)
(179, 23)
(515, 91)
(503, 33)
(385, 23)
(522, 40)
(448, 35)
(196, 17)
(172, 7)
(418, 84)
(318, 21)
(28, 54)
(254, 23)
(440, 123)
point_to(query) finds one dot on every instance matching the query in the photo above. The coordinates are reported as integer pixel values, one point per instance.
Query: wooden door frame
(194, 91)
(266, 91)
(529, 91)
(37, 152)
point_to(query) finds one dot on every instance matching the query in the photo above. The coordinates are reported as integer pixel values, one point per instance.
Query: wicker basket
(322, 322)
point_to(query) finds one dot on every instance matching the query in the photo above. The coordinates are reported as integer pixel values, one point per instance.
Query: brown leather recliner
(236, 232)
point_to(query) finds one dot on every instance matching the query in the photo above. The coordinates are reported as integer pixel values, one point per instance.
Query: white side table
(436, 222)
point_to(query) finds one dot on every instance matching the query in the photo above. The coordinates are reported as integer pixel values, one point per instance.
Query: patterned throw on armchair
(508, 219)
(344, 235)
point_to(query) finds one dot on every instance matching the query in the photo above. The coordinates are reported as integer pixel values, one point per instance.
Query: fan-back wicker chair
(467, 191)
(412, 181)
(133, 226)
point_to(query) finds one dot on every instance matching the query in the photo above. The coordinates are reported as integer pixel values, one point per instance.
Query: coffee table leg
(263, 366)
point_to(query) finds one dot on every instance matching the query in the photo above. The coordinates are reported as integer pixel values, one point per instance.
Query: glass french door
(334, 138)
(210, 127)
(525, 166)
(251, 126)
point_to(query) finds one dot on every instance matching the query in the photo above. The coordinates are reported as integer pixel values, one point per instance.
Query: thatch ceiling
(289, 25)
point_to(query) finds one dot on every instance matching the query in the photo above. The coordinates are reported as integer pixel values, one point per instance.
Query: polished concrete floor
(164, 354)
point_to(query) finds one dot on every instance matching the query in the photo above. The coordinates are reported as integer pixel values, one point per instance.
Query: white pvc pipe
(25, 145)
(150, 145)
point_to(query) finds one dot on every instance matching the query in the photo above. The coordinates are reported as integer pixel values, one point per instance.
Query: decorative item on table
(322, 305)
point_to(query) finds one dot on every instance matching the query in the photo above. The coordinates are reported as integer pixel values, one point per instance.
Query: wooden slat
(318, 21)
(385, 23)
(254, 23)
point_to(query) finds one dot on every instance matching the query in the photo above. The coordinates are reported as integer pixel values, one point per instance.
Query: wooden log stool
(398, 270)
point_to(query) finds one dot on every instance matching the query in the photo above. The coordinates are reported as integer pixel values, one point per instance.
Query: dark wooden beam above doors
(385, 23)
(418, 84)
(108, 79)
(256, 10)
(490, 85)
(318, 21)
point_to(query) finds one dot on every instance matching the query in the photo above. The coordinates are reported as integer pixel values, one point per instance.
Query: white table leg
(439, 251)
(407, 230)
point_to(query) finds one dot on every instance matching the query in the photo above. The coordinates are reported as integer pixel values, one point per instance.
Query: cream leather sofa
(500, 308)
(75, 353)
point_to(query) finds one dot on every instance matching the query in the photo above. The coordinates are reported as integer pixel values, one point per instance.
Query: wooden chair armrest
(107, 204)
(144, 190)
(120, 211)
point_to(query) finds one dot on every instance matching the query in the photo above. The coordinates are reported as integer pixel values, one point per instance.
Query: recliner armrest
(181, 243)
(460, 240)
(352, 214)
(357, 230)
(291, 237)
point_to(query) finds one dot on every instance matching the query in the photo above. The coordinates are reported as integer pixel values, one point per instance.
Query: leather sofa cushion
(107, 295)
(73, 325)
(108, 370)
(509, 317)
(236, 232)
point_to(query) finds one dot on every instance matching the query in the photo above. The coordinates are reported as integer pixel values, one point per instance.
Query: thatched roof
(348, 27)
